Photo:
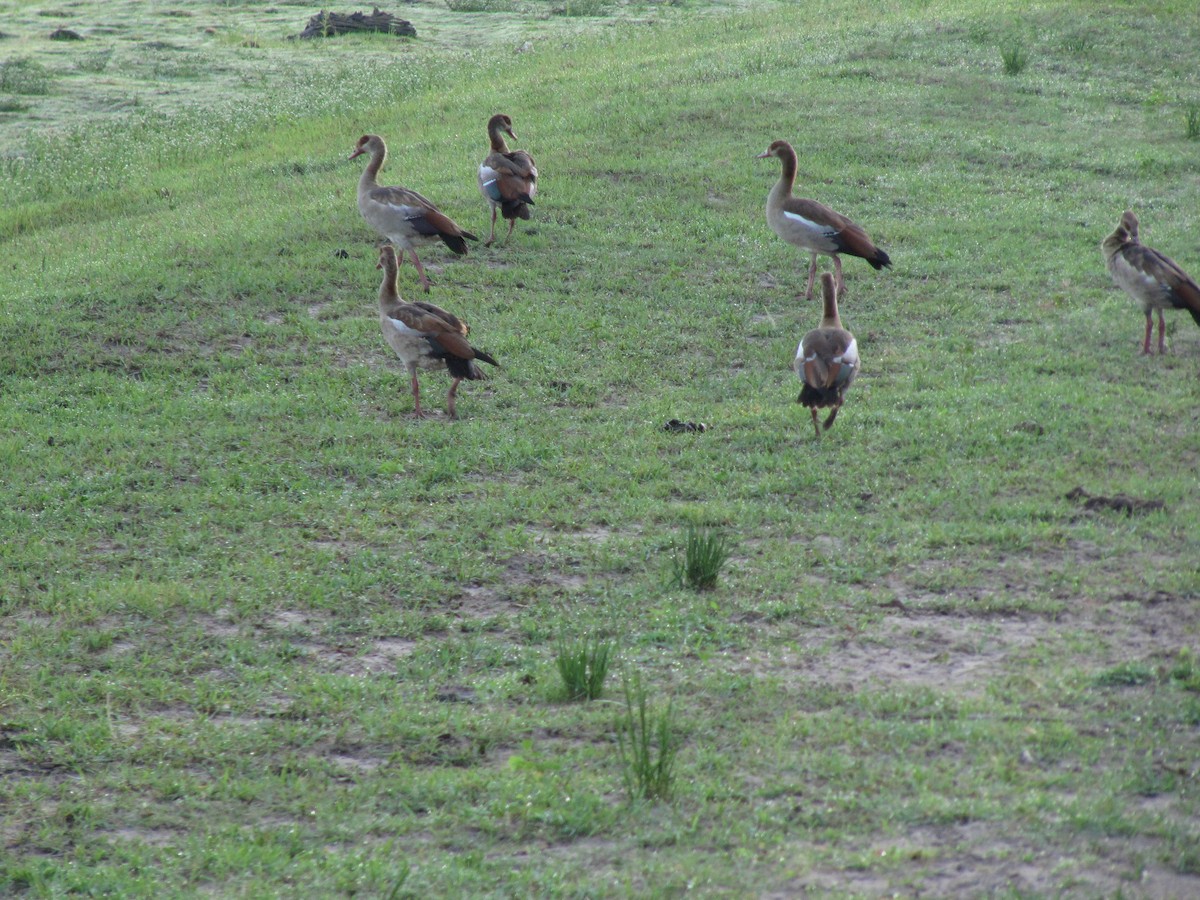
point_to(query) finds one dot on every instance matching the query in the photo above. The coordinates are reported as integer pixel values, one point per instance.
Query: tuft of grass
(1129, 674)
(95, 62)
(1191, 121)
(24, 76)
(705, 553)
(583, 665)
(1015, 57)
(647, 744)
(467, 6)
(580, 8)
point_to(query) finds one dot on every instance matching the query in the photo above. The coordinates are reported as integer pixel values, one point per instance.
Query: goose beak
(763, 155)
(359, 152)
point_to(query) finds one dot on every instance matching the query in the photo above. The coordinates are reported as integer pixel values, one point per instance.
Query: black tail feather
(466, 368)
(456, 243)
(817, 397)
(485, 357)
(516, 209)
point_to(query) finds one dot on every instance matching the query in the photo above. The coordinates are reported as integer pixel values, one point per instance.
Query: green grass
(704, 554)
(648, 744)
(583, 666)
(266, 635)
(1191, 121)
(1015, 58)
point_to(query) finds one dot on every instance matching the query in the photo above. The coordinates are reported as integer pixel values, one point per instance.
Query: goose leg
(1149, 332)
(492, 233)
(1162, 325)
(416, 392)
(420, 270)
(832, 416)
(837, 266)
(812, 276)
(816, 426)
(450, 398)
(511, 223)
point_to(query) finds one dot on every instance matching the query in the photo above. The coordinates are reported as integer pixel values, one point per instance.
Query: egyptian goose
(1150, 278)
(402, 216)
(425, 336)
(814, 226)
(507, 178)
(826, 360)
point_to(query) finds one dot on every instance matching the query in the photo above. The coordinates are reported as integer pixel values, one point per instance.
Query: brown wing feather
(437, 221)
(445, 320)
(816, 211)
(424, 320)
(455, 344)
(847, 235)
(399, 196)
(1182, 291)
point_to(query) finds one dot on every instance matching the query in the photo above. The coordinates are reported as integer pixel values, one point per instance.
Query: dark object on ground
(676, 426)
(65, 34)
(327, 24)
(1119, 503)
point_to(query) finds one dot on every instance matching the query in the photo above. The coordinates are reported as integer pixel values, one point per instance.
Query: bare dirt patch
(984, 859)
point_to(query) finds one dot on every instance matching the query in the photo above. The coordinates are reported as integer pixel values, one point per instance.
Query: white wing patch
(809, 224)
(849, 356)
(401, 328)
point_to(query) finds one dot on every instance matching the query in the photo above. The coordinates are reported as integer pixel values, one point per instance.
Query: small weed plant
(705, 553)
(467, 6)
(24, 76)
(584, 8)
(1191, 121)
(647, 744)
(583, 665)
(1014, 57)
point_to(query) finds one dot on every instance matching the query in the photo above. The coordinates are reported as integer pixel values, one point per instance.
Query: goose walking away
(1155, 281)
(425, 336)
(402, 216)
(814, 226)
(826, 360)
(507, 178)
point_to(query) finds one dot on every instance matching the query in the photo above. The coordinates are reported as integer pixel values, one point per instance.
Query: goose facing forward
(826, 360)
(1155, 281)
(402, 216)
(507, 178)
(425, 336)
(814, 226)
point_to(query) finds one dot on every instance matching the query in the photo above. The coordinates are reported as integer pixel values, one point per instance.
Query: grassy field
(263, 634)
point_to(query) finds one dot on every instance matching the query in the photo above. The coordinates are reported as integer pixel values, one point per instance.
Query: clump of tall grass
(1015, 57)
(24, 76)
(583, 8)
(1191, 121)
(481, 5)
(583, 665)
(95, 62)
(705, 553)
(647, 744)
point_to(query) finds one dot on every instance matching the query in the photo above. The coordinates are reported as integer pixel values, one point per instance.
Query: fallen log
(327, 24)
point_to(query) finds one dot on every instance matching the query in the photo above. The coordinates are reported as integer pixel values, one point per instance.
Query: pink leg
(450, 398)
(816, 425)
(837, 266)
(812, 276)
(492, 233)
(511, 223)
(416, 392)
(1162, 326)
(1149, 332)
(832, 416)
(420, 270)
